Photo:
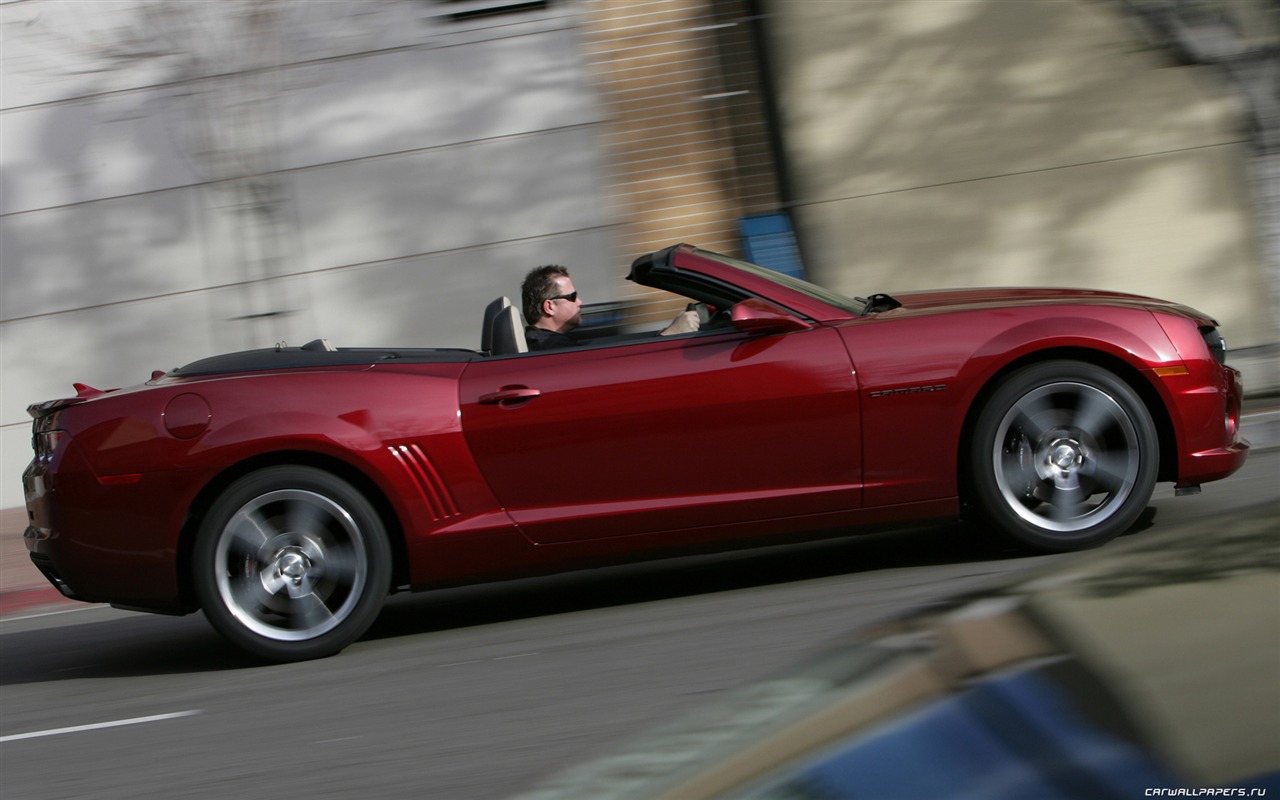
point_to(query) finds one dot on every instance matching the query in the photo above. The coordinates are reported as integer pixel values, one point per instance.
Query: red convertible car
(288, 491)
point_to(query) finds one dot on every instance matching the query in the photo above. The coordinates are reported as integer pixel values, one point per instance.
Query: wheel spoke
(1029, 417)
(1111, 471)
(1094, 413)
(249, 594)
(310, 612)
(273, 583)
(1019, 474)
(306, 517)
(1066, 481)
(249, 534)
(1068, 503)
(1065, 506)
(340, 565)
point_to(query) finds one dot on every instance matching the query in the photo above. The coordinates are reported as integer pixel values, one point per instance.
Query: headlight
(1216, 344)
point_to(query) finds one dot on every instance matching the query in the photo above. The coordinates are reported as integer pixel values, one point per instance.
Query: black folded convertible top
(274, 358)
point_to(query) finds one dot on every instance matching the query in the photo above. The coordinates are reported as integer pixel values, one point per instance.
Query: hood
(945, 300)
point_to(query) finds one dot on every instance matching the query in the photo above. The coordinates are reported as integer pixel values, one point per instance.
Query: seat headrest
(508, 333)
(491, 312)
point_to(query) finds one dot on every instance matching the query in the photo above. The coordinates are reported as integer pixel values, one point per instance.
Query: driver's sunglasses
(571, 296)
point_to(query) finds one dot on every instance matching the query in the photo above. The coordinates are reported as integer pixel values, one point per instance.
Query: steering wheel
(704, 312)
(709, 316)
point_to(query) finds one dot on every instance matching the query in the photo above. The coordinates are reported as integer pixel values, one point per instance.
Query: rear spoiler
(83, 392)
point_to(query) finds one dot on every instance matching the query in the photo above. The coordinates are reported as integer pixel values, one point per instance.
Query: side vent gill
(435, 494)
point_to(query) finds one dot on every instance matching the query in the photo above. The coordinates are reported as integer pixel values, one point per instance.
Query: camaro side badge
(936, 387)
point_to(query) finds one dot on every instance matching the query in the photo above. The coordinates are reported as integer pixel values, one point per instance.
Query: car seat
(491, 312)
(507, 333)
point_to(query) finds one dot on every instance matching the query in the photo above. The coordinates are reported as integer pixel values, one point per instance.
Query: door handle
(509, 397)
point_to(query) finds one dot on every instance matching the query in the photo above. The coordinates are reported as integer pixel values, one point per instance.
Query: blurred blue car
(1146, 670)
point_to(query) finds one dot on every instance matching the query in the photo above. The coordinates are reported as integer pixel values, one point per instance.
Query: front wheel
(291, 563)
(1065, 456)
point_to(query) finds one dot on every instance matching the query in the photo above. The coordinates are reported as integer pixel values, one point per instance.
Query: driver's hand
(685, 322)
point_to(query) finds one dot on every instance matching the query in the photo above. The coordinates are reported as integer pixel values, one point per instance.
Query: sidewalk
(23, 590)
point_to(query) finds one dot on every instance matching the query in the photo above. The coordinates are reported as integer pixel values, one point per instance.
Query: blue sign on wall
(769, 241)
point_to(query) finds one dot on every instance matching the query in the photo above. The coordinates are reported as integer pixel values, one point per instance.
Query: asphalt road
(469, 693)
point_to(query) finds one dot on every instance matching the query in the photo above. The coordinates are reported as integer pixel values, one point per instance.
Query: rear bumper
(102, 543)
(47, 568)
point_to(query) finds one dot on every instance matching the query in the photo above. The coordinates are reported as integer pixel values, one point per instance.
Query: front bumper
(1210, 437)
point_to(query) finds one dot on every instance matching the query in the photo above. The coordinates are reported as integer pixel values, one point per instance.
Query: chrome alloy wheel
(1066, 456)
(291, 565)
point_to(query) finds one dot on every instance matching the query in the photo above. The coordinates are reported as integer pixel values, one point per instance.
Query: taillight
(1216, 344)
(46, 436)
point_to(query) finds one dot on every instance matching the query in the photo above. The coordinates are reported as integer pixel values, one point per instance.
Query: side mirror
(758, 316)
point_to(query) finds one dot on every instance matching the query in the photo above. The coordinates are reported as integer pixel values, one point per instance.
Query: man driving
(553, 309)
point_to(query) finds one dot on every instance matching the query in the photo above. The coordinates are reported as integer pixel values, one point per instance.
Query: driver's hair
(539, 285)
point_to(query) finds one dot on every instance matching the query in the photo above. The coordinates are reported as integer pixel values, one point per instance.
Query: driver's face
(565, 314)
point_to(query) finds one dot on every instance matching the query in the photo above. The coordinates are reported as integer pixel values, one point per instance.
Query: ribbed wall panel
(686, 135)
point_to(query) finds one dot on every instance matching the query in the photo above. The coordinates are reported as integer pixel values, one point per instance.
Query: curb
(35, 600)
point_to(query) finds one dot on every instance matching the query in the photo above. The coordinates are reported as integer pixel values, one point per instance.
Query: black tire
(1065, 456)
(291, 563)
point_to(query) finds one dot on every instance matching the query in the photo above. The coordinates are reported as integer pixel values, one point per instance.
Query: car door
(666, 434)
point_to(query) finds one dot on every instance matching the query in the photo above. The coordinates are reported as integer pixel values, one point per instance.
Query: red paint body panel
(808, 417)
(669, 434)
(920, 372)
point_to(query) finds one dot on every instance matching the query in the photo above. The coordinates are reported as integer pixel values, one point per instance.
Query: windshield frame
(850, 305)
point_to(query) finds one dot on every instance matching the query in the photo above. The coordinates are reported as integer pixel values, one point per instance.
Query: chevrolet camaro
(287, 491)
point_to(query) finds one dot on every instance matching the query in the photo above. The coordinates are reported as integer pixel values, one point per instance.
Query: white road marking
(97, 726)
(54, 613)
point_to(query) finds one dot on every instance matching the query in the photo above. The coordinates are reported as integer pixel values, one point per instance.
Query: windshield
(849, 304)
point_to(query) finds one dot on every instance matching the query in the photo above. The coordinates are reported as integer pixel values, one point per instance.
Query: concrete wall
(977, 142)
(373, 173)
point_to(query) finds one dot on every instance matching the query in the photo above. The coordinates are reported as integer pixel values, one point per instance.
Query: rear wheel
(291, 563)
(1065, 456)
